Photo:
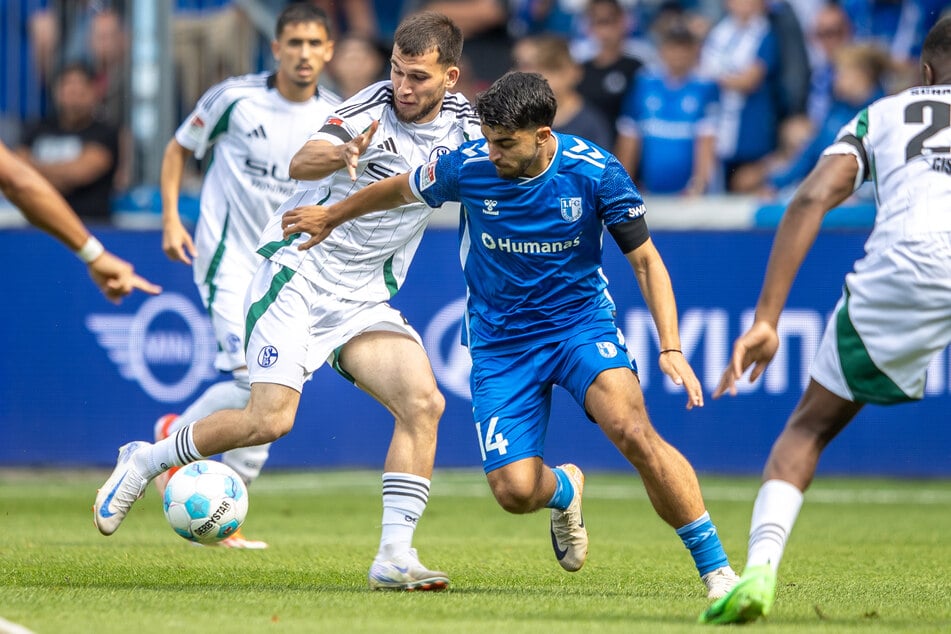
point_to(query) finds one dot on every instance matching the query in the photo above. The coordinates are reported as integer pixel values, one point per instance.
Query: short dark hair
(422, 32)
(936, 49)
(517, 101)
(300, 13)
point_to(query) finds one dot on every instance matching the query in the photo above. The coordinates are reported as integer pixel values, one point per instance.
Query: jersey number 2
(940, 119)
(491, 441)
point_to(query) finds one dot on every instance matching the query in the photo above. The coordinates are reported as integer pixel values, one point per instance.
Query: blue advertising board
(81, 376)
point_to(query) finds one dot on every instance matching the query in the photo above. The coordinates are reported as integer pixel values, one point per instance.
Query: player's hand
(116, 278)
(315, 220)
(757, 346)
(355, 147)
(177, 242)
(674, 365)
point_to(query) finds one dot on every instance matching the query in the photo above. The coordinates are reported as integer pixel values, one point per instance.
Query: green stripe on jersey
(271, 248)
(216, 263)
(861, 126)
(260, 307)
(389, 278)
(867, 382)
(221, 125)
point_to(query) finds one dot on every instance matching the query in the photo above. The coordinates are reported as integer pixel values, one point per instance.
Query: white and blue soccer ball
(205, 501)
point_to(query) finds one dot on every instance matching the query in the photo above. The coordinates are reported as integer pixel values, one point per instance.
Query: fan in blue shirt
(534, 204)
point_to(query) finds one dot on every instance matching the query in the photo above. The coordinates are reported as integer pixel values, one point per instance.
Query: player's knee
(514, 497)
(423, 411)
(266, 427)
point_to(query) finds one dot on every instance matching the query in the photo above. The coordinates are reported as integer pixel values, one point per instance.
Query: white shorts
(294, 326)
(893, 318)
(223, 287)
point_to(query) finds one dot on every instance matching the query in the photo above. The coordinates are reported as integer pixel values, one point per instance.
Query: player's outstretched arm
(318, 221)
(829, 184)
(116, 278)
(318, 159)
(46, 209)
(176, 240)
(658, 292)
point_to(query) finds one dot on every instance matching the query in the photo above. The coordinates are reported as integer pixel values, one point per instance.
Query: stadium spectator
(741, 54)
(358, 62)
(550, 56)
(792, 77)
(75, 150)
(859, 73)
(211, 40)
(606, 77)
(891, 322)
(667, 126)
(831, 30)
(46, 209)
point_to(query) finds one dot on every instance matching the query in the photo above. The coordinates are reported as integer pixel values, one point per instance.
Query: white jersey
(367, 259)
(254, 132)
(903, 145)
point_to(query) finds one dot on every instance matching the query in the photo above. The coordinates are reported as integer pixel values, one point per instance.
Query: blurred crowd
(694, 97)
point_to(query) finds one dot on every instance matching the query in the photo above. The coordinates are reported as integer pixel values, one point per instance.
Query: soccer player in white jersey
(308, 307)
(253, 124)
(894, 315)
(535, 205)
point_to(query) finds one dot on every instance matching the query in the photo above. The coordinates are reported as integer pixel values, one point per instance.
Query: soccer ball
(205, 501)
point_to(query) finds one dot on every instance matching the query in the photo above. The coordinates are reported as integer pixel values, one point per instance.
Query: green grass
(866, 555)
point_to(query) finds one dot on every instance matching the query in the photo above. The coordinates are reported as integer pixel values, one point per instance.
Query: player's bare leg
(394, 369)
(268, 415)
(818, 418)
(616, 402)
(528, 485)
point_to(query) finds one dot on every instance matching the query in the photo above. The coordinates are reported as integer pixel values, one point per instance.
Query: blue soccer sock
(564, 491)
(701, 539)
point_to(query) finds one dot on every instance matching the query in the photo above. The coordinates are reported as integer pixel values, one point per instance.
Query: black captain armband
(631, 234)
(336, 129)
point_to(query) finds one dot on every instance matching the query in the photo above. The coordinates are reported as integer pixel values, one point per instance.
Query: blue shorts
(511, 391)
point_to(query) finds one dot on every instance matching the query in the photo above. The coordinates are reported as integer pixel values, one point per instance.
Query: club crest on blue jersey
(571, 208)
(267, 357)
(607, 349)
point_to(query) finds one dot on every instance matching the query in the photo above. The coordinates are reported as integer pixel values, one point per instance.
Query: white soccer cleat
(120, 491)
(162, 426)
(719, 582)
(569, 537)
(405, 572)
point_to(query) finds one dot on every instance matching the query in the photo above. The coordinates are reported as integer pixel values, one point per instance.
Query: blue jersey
(531, 247)
(668, 115)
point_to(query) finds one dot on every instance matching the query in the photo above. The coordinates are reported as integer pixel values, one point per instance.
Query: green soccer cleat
(750, 599)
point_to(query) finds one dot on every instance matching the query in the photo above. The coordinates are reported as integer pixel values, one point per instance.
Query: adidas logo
(389, 145)
(257, 133)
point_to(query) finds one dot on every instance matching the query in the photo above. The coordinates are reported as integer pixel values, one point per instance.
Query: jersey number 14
(491, 441)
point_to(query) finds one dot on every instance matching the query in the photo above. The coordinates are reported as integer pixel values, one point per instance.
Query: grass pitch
(866, 555)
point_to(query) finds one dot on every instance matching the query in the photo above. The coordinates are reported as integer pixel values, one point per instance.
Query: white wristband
(91, 250)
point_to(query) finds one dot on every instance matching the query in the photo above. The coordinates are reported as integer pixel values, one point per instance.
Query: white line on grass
(6, 627)
(458, 484)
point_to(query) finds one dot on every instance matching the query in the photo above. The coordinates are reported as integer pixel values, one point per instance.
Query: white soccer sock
(774, 513)
(405, 496)
(232, 394)
(175, 451)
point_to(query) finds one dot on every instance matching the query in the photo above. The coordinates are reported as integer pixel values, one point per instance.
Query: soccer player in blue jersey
(534, 205)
